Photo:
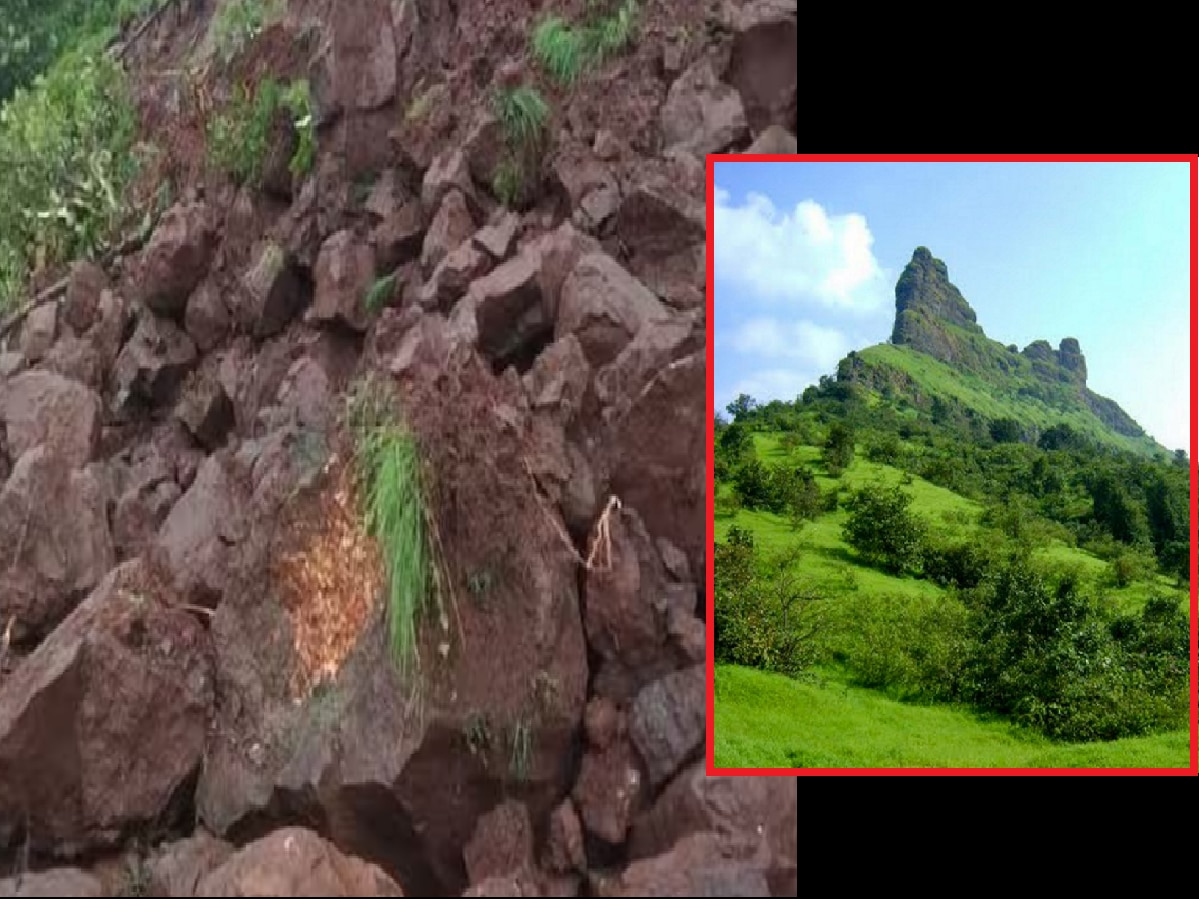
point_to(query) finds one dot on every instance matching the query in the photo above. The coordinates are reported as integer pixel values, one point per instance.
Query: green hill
(938, 351)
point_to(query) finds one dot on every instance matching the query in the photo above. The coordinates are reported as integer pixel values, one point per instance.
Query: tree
(838, 448)
(742, 407)
(883, 529)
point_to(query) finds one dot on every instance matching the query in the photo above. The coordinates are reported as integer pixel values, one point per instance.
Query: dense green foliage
(66, 159)
(565, 50)
(240, 136)
(1016, 600)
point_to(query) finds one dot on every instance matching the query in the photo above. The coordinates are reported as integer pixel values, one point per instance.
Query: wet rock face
(105, 721)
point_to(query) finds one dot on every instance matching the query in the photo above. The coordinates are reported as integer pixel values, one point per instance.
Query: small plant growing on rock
(565, 50)
(518, 763)
(392, 483)
(380, 293)
(523, 115)
(239, 138)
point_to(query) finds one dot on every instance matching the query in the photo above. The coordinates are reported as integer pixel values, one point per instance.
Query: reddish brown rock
(759, 811)
(57, 545)
(453, 276)
(205, 409)
(345, 270)
(452, 224)
(53, 882)
(502, 843)
(76, 360)
(364, 57)
(559, 378)
(702, 864)
(448, 173)
(176, 258)
(295, 861)
(498, 236)
(666, 722)
(774, 140)
(604, 307)
(105, 721)
(564, 850)
(207, 318)
(664, 227)
(271, 293)
(764, 59)
(153, 363)
(40, 407)
(702, 114)
(397, 239)
(38, 332)
(82, 299)
(608, 791)
(509, 311)
(176, 869)
(199, 534)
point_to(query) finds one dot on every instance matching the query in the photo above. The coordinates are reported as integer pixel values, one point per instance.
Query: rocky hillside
(199, 693)
(1035, 387)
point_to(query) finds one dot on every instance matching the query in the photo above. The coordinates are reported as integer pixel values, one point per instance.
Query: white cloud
(802, 341)
(804, 256)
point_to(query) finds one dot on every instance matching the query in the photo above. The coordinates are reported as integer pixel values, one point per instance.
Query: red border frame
(709, 754)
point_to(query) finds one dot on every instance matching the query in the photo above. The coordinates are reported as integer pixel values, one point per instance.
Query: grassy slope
(809, 718)
(770, 721)
(935, 378)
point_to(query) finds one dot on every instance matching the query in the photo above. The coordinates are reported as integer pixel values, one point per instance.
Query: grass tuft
(392, 482)
(565, 50)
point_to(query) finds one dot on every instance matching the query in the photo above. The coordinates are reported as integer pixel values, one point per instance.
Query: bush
(239, 138)
(764, 616)
(912, 647)
(238, 22)
(962, 564)
(66, 161)
(838, 449)
(565, 50)
(883, 530)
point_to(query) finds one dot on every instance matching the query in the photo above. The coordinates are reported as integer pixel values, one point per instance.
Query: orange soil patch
(329, 582)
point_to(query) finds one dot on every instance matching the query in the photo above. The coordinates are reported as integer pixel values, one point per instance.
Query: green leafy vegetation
(66, 159)
(380, 293)
(523, 115)
(240, 137)
(565, 50)
(391, 479)
(238, 22)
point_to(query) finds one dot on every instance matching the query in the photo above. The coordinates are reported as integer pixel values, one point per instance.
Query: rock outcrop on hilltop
(197, 691)
(932, 317)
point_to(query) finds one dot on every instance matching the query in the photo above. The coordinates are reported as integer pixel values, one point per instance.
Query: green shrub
(66, 160)
(239, 137)
(881, 528)
(566, 50)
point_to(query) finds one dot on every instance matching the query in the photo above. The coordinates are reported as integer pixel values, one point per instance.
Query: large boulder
(152, 364)
(345, 270)
(105, 722)
(763, 66)
(451, 225)
(55, 545)
(207, 318)
(53, 882)
(76, 359)
(271, 292)
(510, 314)
(763, 810)
(666, 723)
(38, 332)
(664, 226)
(319, 718)
(701, 864)
(40, 407)
(197, 540)
(702, 114)
(294, 861)
(364, 56)
(176, 869)
(604, 307)
(176, 258)
(81, 301)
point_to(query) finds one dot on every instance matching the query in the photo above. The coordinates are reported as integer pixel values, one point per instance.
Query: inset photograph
(951, 464)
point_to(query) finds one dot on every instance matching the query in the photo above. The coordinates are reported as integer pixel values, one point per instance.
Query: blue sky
(806, 256)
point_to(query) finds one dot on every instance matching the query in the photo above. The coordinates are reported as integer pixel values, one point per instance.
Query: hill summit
(1037, 386)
